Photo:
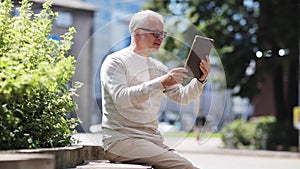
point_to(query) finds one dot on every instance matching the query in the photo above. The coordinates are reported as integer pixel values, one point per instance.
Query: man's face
(151, 35)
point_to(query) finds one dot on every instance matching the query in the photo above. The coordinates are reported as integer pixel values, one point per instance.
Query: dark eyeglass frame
(155, 33)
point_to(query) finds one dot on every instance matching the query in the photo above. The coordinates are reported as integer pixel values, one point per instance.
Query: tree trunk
(279, 94)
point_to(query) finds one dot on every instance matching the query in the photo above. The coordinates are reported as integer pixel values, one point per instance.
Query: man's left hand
(205, 68)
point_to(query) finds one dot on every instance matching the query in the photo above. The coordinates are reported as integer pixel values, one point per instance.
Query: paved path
(209, 154)
(216, 161)
(215, 146)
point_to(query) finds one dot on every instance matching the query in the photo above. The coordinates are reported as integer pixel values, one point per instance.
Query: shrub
(252, 134)
(238, 134)
(281, 136)
(35, 100)
(264, 127)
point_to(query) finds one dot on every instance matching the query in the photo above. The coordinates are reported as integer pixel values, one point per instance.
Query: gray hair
(141, 18)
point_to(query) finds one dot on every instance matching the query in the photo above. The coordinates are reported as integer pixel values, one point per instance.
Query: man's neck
(142, 52)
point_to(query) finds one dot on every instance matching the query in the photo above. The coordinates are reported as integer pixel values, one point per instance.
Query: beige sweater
(131, 96)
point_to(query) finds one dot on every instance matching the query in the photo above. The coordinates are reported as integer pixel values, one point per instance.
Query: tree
(279, 30)
(234, 26)
(35, 98)
(241, 29)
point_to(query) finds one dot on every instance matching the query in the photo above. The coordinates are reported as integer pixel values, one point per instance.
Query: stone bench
(64, 157)
(26, 161)
(101, 164)
(94, 158)
(84, 156)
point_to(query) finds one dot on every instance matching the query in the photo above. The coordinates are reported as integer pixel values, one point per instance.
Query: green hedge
(35, 100)
(253, 134)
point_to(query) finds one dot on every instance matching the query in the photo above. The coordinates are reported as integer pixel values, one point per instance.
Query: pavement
(207, 153)
(207, 145)
(215, 146)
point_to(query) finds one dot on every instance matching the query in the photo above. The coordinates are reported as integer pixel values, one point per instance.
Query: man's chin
(152, 50)
(155, 49)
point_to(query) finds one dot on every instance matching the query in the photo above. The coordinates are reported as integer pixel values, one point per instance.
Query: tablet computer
(201, 47)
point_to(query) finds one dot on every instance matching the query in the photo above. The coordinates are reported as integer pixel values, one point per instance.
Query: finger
(206, 63)
(204, 67)
(183, 75)
(178, 79)
(207, 59)
(180, 69)
(178, 75)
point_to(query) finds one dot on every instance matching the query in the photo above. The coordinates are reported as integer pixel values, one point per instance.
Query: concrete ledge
(93, 153)
(64, 156)
(101, 164)
(94, 158)
(26, 161)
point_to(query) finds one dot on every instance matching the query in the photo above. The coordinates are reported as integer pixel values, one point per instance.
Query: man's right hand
(174, 76)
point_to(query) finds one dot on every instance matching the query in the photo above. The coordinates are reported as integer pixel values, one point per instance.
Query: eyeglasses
(155, 33)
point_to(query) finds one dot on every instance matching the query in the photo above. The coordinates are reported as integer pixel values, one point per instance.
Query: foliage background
(248, 135)
(35, 100)
(240, 29)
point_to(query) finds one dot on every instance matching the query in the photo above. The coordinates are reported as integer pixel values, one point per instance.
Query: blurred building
(264, 102)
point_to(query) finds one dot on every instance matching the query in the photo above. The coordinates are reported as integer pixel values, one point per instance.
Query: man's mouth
(157, 44)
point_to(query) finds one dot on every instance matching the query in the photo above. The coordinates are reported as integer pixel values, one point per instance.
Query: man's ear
(138, 34)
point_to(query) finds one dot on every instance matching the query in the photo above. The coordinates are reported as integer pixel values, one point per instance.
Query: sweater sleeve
(113, 78)
(185, 94)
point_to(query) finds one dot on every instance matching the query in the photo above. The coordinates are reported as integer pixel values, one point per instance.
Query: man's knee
(190, 165)
(173, 160)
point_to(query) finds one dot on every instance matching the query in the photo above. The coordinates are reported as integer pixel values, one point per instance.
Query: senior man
(133, 84)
